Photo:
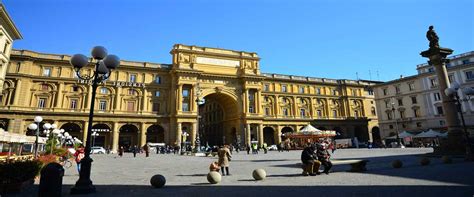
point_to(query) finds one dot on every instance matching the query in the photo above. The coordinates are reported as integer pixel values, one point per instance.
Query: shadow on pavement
(228, 191)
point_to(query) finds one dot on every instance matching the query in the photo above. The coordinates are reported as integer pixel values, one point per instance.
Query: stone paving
(186, 176)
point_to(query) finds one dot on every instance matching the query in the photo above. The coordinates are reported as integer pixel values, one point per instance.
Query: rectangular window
(451, 78)
(413, 100)
(267, 111)
(302, 113)
(130, 106)
(158, 79)
(465, 62)
(334, 113)
(385, 92)
(400, 102)
(285, 111)
(266, 87)
(402, 114)
(418, 124)
(185, 107)
(370, 91)
(356, 114)
(430, 70)
(318, 90)
(437, 96)
(387, 104)
(411, 86)
(102, 105)
(75, 88)
(185, 93)
(73, 104)
(47, 72)
(319, 113)
(284, 88)
(301, 89)
(334, 92)
(439, 109)
(434, 83)
(469, 75)
(156, 107)
(133, 78)
(390, 126)
(416, 112)
(441, 123)
(389, 115)
(397, 89)
(42, 103)
(157, 93)
(5, 47)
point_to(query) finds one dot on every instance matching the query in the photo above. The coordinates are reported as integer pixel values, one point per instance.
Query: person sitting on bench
(310, 161)
(324, 156)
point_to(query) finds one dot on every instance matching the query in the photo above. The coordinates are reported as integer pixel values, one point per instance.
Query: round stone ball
(214, 177)
(446, 159)
(259, 174)
(425, 161)
(158, 181)
(397, 164)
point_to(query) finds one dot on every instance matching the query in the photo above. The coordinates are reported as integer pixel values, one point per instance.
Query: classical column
(178, 133)
(115, 137)
(247, 134)
(437, 56)
(180, 97)
(117, 99)
(11, 126)
(17, 92)
(193, 133)
(84, 132)
(295, 107)
(142, 134)
(89, 97)
(277, 106)
(278, 132)
(259, 102)
(246, 100)
(260, 134)
(58, 95)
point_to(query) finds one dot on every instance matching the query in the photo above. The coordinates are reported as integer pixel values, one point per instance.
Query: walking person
(224, 158)
(79, 154)
(248, 149)
(146, 148)
(134, 150)
(120, 151)
(265, 148)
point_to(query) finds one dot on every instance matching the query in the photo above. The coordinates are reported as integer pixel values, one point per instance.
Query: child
(214, 166)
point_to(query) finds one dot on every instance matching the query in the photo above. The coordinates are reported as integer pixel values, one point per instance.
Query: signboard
(215, 61)
(114, 83)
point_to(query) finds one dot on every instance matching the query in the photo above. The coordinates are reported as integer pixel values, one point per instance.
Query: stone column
(59, 95)
(247, 134)
(17, 92)
(259, 102)
(142, 134)
(277, 106)
(11, 126)
(115, 137)
(260, 134)
(178, 133)
(117, 99)
(89, 97)
(84, 132)
(295, 108)
(246, 101)
(278, 132)
(180, 97)
(437, 56)
(193, 133)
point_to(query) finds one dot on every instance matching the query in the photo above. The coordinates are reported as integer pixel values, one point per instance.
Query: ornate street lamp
(453, 93)
(103, 63)
(36, 127)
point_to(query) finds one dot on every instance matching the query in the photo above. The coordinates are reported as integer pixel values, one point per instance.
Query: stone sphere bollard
(425, 161)
(259, 174)
(214, 177)
(446, 159)
(158, 181)
(397, 164)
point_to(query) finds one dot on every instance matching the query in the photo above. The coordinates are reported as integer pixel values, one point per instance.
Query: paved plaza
(186, 176)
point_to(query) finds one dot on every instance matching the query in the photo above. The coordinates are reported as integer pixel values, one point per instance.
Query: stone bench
(357, 165)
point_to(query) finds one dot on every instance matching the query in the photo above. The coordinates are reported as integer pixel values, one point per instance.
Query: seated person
(310, 161)
(324, 156)
(214, 166)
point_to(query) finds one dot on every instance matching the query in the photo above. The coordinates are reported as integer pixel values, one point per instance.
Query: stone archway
(376, 138)
(339, 133)
(155, 134)
(361, 133)
(128, 136)
(284, 131)
(103, 138)
(74, 130)
(219, 115)
(268, 135)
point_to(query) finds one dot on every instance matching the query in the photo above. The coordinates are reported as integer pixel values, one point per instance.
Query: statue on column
(432, 37)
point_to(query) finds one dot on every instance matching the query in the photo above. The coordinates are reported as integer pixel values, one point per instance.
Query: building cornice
(11, 26)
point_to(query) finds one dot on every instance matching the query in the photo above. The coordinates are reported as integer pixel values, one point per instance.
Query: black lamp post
(453, 92)
(396, 122)
(103, 64)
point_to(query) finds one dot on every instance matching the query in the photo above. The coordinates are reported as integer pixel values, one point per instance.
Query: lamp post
(183, 138)
(199, 101)
(94, 134)
(33, 127)
(103, 63)
(396, 122)
(453, 93)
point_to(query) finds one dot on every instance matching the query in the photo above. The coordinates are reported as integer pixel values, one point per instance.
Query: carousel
(307, 135)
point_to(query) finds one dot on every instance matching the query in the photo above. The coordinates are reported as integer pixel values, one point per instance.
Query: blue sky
(320, 38)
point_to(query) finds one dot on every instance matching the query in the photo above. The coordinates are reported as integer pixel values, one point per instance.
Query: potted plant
(16, 174)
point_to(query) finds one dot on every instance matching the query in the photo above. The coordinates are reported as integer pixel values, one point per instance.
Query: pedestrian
(324, 157)
(310, 161)
(248, 149)
(265, 148)
(224, 158)
(146, 148)
(120, 151)
(134, 150)
(79, 154)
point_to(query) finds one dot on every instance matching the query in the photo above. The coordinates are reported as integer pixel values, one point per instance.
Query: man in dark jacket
(310, 161)
(324, 156)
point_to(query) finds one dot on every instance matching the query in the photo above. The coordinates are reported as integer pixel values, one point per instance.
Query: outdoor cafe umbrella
(429, 134)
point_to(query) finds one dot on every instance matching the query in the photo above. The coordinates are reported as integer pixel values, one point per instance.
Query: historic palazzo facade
(219, 95)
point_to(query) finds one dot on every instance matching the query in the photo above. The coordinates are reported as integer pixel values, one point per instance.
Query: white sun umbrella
(310, 129)
(429, 134)
(405, 134)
